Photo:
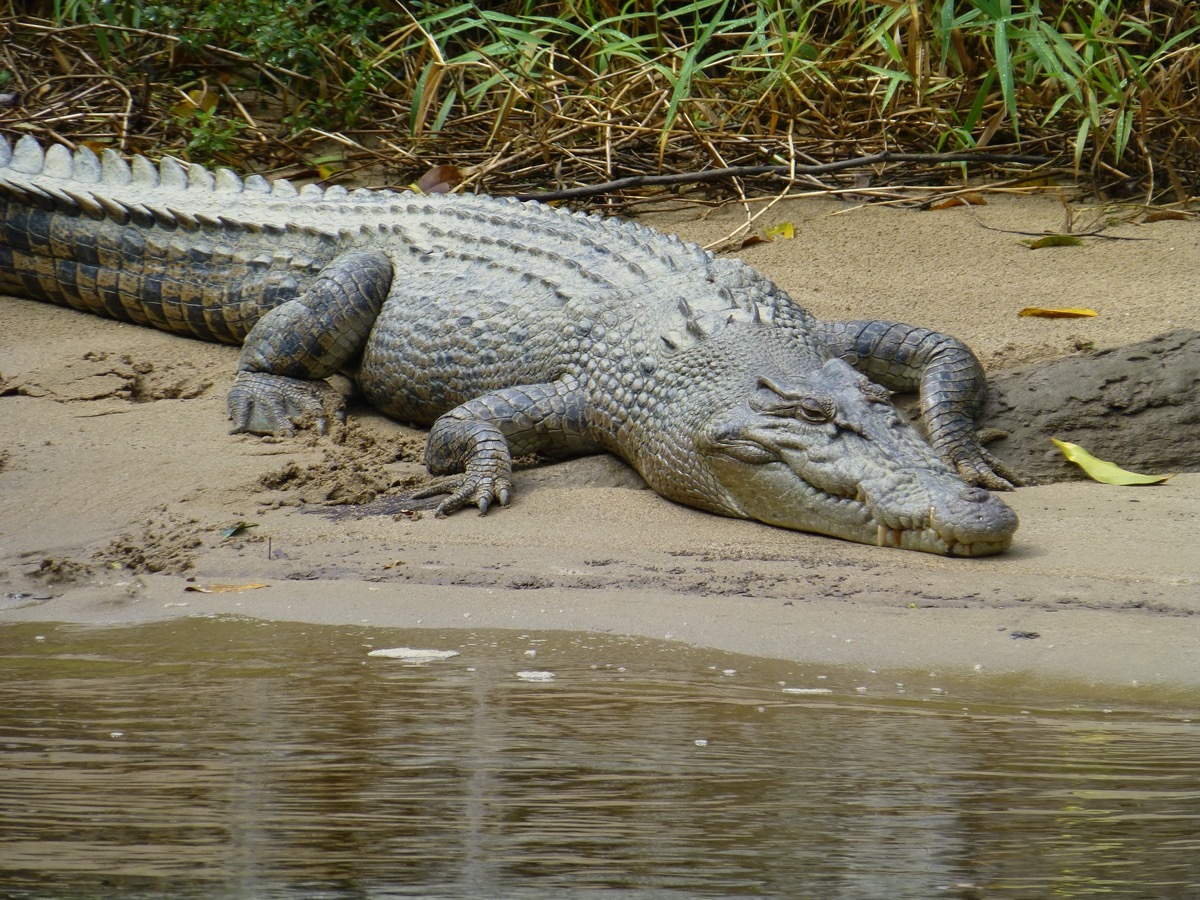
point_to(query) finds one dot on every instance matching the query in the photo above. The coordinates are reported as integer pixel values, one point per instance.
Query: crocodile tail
(26, 160)
(184, 268)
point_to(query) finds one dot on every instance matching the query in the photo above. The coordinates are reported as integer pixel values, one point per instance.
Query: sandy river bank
(117, 476)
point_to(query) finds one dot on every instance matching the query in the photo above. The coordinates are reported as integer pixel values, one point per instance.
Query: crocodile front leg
(951, 383)
(288, 353)
(473, 444)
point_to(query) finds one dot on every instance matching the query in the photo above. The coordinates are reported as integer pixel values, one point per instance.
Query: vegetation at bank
(541, 95)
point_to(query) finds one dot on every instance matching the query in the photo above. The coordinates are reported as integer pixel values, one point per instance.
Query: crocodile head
(827, 451)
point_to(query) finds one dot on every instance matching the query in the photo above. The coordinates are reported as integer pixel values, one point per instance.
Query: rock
(1137, 406)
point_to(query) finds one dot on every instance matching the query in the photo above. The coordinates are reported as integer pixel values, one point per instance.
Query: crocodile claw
(976, 466)
(466, 489)
(261, 403)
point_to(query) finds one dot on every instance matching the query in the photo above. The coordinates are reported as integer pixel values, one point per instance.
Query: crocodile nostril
(974, 495)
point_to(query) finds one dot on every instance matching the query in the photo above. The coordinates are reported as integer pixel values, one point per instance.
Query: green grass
(540, 93)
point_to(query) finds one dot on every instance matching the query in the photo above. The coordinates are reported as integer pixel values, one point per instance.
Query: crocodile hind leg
(950, 380)
(291, 350)
(473, 444)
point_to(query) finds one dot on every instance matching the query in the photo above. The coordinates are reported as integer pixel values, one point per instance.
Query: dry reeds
(527, 97)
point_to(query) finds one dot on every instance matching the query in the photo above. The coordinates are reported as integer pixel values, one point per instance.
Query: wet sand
(117, 476)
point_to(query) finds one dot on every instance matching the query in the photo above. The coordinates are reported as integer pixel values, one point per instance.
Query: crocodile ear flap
(875, 393)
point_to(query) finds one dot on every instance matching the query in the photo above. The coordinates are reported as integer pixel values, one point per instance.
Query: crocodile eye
(773, 400)
(815, 409)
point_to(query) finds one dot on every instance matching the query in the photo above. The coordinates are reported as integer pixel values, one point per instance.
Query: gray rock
(1137, 406)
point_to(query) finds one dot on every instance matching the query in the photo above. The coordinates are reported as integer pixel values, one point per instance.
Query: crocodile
(515, 328)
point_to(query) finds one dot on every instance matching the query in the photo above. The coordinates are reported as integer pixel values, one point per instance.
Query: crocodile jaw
(819, 448)
(932, 512)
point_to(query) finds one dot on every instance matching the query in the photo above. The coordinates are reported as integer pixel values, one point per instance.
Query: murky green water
(239, 759)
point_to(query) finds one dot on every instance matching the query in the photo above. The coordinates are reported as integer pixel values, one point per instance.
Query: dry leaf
(440, 180)
(1054, 240)
(1066, 312)
(64, 62)
(1103, 471)
(1165, 215)
(968, 199)
(223, 588)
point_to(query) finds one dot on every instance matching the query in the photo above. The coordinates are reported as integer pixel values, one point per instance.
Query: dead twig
(887, 157)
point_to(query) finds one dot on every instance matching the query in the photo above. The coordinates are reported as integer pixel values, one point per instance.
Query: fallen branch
(790, 170)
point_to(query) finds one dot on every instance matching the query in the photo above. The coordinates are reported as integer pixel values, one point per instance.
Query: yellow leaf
(1102, 471)
(1070, 312)
(784, 230)
(199, 100)
(328, 166)
(223, 588)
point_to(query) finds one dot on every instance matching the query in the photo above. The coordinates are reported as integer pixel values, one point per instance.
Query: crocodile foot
(261, 403)
(477, 489)
(975, 465)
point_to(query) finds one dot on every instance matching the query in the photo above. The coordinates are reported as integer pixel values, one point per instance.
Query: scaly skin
(516, 328)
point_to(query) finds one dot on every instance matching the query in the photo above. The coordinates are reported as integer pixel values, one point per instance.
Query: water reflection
(232, 758)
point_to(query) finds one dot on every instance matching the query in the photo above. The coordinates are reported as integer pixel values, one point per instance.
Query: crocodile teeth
(888, 537)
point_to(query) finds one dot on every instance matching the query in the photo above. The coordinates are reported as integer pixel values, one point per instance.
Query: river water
(231, 758)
